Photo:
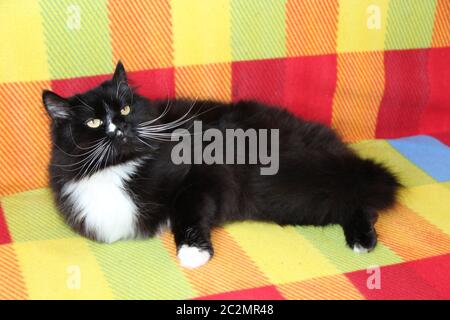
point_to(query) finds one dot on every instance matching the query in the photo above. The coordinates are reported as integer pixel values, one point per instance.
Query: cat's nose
(117, 133)
(113, 131)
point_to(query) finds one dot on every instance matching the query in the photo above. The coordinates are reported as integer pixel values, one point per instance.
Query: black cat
(114, 176)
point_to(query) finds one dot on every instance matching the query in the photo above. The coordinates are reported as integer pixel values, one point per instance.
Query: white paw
(192, 257)
(359, 248)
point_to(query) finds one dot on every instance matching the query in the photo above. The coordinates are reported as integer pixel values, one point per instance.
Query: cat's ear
(120, 75)
(56, 106)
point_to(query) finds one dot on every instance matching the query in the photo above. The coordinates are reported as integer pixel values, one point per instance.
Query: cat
(113, 176)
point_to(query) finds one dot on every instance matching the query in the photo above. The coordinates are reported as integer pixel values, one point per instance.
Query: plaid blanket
(372, 69)
(41, 258)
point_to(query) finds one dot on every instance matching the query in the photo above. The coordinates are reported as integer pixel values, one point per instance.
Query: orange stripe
(441, 34)
(37, 125)
(38, 133)
(12, 285)
(212, 81)
(311, 27)
(411, 236)
(141, 33)
(359, 90)
(230, 269)
(336, 287)
(25, 145)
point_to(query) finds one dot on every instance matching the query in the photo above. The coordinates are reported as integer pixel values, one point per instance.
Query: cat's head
(98, 128)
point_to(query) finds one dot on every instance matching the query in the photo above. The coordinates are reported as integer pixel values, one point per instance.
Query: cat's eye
(125, 110)
(94, 123)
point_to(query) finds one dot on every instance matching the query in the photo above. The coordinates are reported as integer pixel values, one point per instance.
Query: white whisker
(78, 155)
(148, 145)
(166, 109)
(177, 120)
(92, 158)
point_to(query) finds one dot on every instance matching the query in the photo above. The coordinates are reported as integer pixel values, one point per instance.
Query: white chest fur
(101, 201)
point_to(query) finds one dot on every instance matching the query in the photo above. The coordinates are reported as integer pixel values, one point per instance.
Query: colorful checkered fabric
(40, 257)
(369, 68)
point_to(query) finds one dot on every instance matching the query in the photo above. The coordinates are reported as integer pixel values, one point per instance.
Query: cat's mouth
(122, 140)
(124, 145)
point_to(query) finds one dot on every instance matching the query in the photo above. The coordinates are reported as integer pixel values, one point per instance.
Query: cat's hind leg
(359, 231)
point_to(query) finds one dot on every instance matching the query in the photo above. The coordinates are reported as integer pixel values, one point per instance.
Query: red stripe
(436, 117)
(155, 83)
(260, 80)
(262, 293)
(310, 83)
(406, 93)
(444, 137)
(5, 236)
(410, 280)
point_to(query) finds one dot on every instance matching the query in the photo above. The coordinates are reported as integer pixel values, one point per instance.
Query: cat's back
(295, 133)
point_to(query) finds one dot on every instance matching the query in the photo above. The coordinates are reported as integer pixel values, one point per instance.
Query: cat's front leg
(192, 230)
(194, 247)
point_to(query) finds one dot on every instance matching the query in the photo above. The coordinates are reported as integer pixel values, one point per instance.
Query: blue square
(428, 153)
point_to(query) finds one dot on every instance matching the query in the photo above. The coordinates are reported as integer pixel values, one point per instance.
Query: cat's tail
(375, 184)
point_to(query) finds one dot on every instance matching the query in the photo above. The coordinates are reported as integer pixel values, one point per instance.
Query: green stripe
(331, 242)
(410, 24)
(258, 29)
(82, 51)
(141, 270)
(32, 215)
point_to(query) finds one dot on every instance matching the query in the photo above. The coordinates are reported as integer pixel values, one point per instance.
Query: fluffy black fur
(320, 180)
